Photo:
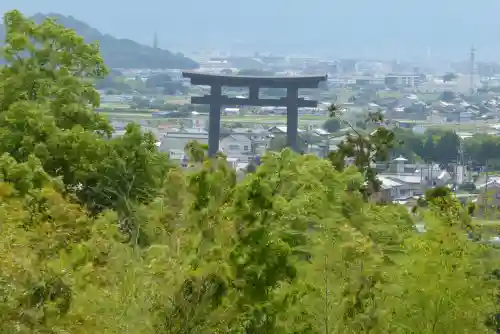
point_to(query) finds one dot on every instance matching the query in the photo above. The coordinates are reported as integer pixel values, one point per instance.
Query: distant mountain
(121, 53)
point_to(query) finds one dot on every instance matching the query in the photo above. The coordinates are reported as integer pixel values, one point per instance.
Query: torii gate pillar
(216, 100)
(214, 120)
(292, 117)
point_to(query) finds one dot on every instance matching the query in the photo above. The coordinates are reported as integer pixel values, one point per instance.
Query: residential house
(395, 187)
(405, 180)
(236, 146)
(390, 189)
(320, 150)
(239, 145)
(281, 130)
(405, 80)
(232, 111)
(177, 140)
(258, 136)
(404, 102)
(369, 81)
(332, 143)
(321, 132)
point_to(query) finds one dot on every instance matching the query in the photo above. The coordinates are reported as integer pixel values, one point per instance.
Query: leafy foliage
(443, 147)
(103, 235)
(46, 112)
(364, 149)
(165, 83)
(332, 125)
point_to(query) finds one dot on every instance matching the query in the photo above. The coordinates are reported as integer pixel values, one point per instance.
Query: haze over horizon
(357, 28)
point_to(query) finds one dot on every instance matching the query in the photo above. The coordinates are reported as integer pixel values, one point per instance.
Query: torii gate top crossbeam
(205, 79)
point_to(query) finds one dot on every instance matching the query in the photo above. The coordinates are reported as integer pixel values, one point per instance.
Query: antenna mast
(472, 69)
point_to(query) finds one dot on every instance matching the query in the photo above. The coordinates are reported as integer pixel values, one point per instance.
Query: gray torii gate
(216, 100)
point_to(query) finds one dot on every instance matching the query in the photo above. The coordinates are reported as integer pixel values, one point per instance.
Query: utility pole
(486, 172)
(485, 196)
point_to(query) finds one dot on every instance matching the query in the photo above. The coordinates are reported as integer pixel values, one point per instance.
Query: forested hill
(121, 53)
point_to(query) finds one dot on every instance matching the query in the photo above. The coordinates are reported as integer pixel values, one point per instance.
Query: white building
(236, 146)
(179, 140)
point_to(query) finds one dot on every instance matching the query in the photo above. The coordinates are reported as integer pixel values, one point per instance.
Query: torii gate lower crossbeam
(216, 100)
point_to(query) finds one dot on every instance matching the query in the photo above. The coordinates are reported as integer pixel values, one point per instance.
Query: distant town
(465, 100)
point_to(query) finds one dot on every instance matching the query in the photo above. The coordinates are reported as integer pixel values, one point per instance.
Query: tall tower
(472, 69)
(155, 41)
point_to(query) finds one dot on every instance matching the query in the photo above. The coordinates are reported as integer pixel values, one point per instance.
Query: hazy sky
(382, 28)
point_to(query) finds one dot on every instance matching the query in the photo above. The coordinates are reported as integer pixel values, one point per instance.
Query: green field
(459, 127)
(121, 106)
(267, 118)
(137, 115)
(451, 126)
(127, 115)
(174, 99)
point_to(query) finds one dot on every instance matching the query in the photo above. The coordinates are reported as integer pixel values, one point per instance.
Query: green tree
(429, 149)
(158, 80)
(332, 125)
(46, 110)
(124, 53)
(165, 83)
(409, 144)
(50, 65)
(141, 103)
(279, 142)
(447, 147)
(364, 149)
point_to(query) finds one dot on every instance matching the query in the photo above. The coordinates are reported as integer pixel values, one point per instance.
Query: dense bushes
(102, 235)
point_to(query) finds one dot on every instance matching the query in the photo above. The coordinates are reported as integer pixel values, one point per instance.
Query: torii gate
(216, 100)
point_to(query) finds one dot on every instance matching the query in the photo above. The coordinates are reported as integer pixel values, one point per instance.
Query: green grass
(271, 120)
(132, 114)
(116, 105)
(126, 111)
(126, 115)
(254, 118)
(174, 99)
(460, 127)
